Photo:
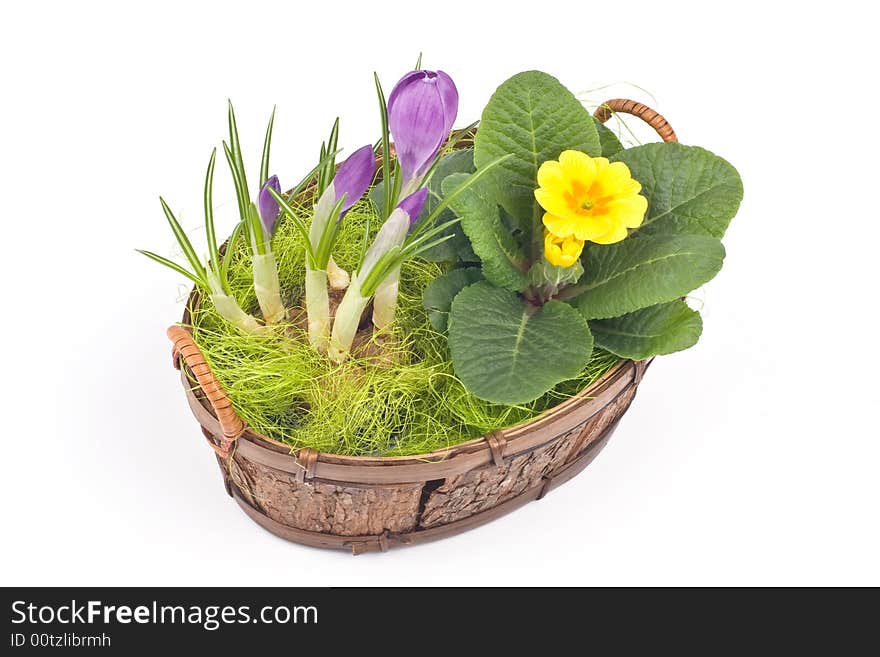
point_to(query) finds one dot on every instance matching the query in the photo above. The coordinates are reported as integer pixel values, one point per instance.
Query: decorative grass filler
(446, 326)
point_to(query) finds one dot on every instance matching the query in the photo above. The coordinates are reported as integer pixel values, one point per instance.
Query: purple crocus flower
(354, 177)
(413, 204)
(267, 205)
(421, 110)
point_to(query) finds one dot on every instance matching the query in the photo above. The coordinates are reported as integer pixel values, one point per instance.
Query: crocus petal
(414, 203)
(267, 205)
(421, 110)
(354, 176)
(449, 96)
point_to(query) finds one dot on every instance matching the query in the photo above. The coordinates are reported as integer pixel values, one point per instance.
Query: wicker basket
(367, 504)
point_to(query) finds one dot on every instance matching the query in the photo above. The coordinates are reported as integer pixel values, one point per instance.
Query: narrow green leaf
(297, 222)
(386, 148)
(449, 195)
(267, 144)
(386, 262)
(328, 235)
(309, 176)
(458, 248)
(235, 146)
(210, 231)
(415, 242)
(259, 241)
(183, 240)
(240, 196)
(366, 240)
(419, 63)
(228, 254)
(173, 265)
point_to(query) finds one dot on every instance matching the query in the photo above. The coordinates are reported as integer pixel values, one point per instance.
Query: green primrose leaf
(689, 189)
(636, 273)
(534, 117)
(440, 292)
(607, 139)
(507, 352)
(492, 241)
(653, 331)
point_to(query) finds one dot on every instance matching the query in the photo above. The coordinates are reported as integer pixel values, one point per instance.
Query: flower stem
(346, 322)
(385, 299)
(267, 287)
(317, 308)
(228, 308)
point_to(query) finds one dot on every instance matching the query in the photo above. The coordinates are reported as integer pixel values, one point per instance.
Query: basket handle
(185, 348)
(645, 113)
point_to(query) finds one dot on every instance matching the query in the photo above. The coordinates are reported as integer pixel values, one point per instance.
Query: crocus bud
(413, 204)
(421, 110)
(354, 177)
(267, 205)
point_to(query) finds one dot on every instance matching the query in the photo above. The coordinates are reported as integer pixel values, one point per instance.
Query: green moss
(406, 402)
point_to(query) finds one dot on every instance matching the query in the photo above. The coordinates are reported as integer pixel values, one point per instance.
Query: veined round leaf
(640, 272)
(653, 331)
(610, 143)
(507, 352)
(534, 117)
(491, 239)
(440, 292)
(689, 189)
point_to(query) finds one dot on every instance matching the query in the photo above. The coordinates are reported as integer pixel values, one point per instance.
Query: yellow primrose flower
(562, 251)
(589, 198)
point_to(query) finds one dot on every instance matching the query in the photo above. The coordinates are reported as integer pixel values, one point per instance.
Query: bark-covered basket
(365, 504)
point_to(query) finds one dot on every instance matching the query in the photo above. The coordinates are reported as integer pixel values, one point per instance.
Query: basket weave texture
(367, 504)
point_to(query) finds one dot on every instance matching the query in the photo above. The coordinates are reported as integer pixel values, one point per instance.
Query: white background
(750, 459)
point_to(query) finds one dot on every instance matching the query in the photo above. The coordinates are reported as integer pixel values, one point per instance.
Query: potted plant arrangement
(438, 328)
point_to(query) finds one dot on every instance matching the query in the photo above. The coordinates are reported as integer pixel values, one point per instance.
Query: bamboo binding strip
(645, 113)
(185, 348)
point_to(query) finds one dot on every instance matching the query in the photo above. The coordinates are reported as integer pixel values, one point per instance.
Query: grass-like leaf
(267, 144)
(386, 262)
(173, 265)
(301, 185)
(328, 235)
(386, 148)
(213, 252)
(183, 240)
(297, 222)
(235, 147)
(228, 254)
(242, 199)
(448, 198)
